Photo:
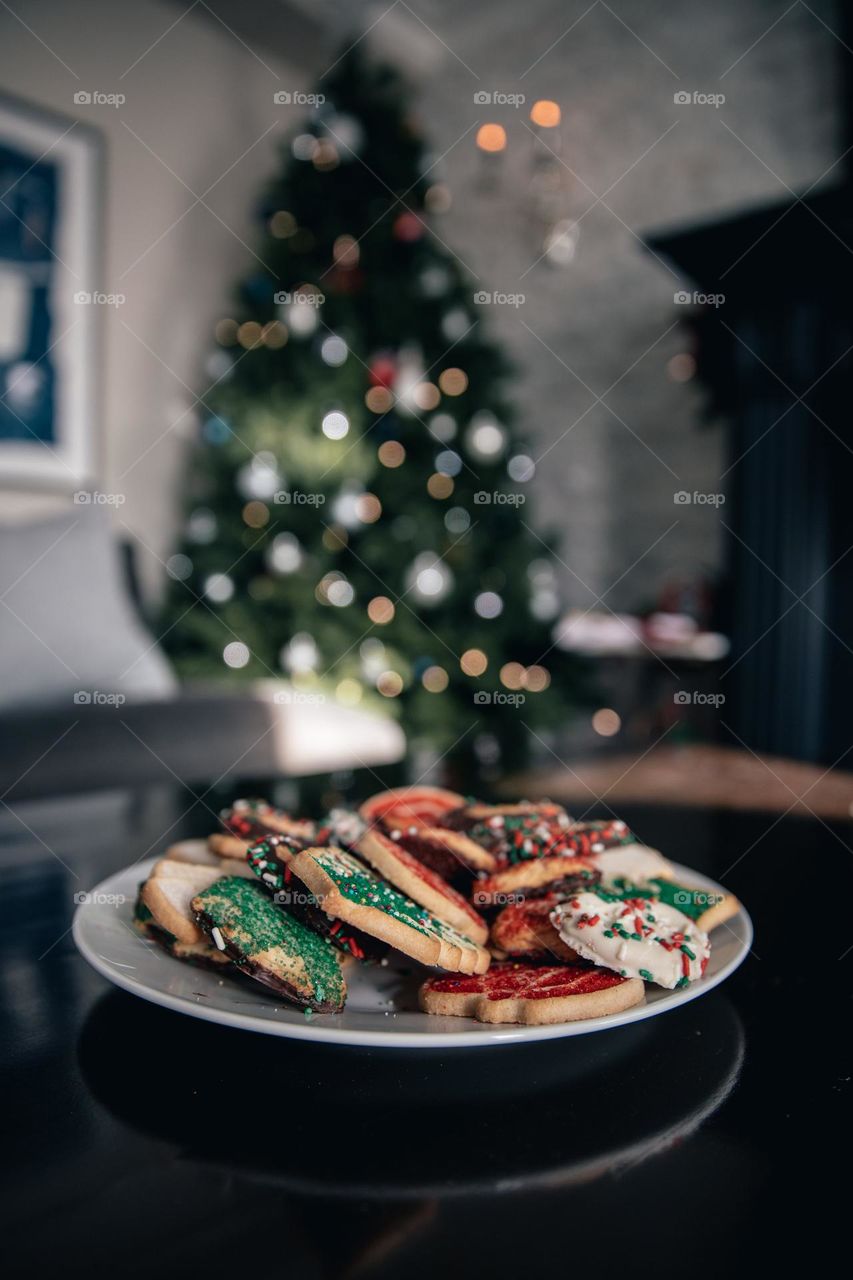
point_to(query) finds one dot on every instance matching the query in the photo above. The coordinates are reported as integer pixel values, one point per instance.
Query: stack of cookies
(531, 917)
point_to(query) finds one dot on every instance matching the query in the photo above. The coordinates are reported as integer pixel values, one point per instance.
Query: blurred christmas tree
(355, 517)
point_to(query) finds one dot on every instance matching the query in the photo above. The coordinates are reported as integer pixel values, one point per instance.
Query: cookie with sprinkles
(532, 994)
(585, 838)
(524, 929)
(706, 909)
(638, 937)
(423, 885)
(341, 827)
(409, 806)
(635, 862)
(514, 832)
(269, 860)
(169, 890)
(512, 882)
(200, 954)
(270, 945)
(248, 820)
(349, 891)
(451, 853)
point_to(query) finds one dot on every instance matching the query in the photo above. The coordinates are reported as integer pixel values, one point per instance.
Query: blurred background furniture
(87, 697)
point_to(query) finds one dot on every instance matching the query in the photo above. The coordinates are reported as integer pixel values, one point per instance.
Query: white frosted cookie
(195, 851)
(634, 862)
(636, 937)
(168, 897)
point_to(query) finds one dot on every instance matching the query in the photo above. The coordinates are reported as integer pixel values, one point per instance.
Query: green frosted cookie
(344, 888)
(269, 945)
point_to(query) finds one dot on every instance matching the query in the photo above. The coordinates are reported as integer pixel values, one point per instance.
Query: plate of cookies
(423, 919)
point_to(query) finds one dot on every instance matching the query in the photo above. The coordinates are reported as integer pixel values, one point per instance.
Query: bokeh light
(491, 137)
(256, 514)
(379, 400)
(473, 662)
(335, 425)
(439, 486)
(282, 224)
(453, 382)
(426, 396)
(236, 654)
(349, 692)
(381, 611)
(606, 722)
(368, 508)
(391, 454)
(390, 684)
(512, 675)
(545, 113)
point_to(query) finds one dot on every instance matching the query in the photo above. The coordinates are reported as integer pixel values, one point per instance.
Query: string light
(443, 427)
(226, 332)
(325, 156)
(536, 679)
(335, 425)
(390, 684)
(261, 477)
(333, 351)
(435, 679)
(681, 368)
(303, 146)
(521, 467)
(439, 486)
(368, 508)
(391, 454)
(545, 113)
(448, 463)
(512, 675)
(349, 692)
(429, 578)
(381, 611)
(335, 538)
(426, 396)
(274, 335)
(379, 400)
(284, 554)
(301, 655)
(457, 520)
(606, 722)
(485, 438)
(473, 662)
(249, 334)
(202, 526)
(491, 138)
(236, 654)
(218, 587)
(346, 253)
(256, 514)
(453, 382)
(488, 604)
(179, 567)
(282, 224)
(561, 242)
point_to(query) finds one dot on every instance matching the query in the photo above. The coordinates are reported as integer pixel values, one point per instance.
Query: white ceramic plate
(381, 1009)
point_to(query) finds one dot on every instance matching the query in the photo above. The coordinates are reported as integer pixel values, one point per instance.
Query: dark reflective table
(140, 1141)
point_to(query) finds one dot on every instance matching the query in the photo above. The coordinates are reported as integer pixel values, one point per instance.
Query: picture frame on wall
(51, 170)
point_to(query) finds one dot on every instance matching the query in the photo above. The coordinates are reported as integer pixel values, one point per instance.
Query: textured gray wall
(614, 69)
(609, 311)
